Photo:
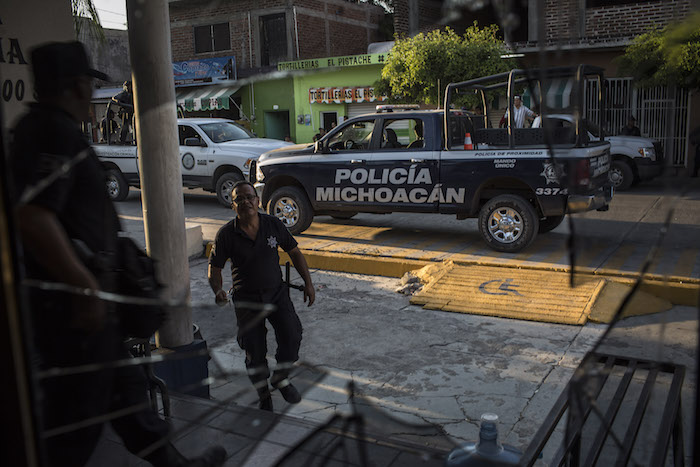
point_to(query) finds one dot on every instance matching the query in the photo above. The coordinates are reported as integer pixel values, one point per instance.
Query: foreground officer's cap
(55, 64)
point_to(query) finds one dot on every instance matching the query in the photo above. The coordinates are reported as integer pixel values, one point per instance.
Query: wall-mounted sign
(205, 70)
(24, 24)
(349, 60)
(343, 95)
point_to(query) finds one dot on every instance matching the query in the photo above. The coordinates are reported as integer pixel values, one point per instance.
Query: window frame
(212, 38)
(262, 54)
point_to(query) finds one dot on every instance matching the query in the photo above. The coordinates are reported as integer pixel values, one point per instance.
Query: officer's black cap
(57, 63)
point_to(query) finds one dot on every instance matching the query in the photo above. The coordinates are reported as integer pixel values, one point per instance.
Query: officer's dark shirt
(255, 266)
(43, 139)
(627, 131)
(125, 99)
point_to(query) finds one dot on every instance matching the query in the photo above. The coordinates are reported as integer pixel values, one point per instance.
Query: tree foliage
(416, 64)
(85, 14)
(665, 56)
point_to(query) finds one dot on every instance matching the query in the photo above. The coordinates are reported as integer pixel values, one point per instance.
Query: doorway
(277, 124)
(329, 120)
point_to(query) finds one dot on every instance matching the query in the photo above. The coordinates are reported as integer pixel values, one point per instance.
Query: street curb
(678, 290)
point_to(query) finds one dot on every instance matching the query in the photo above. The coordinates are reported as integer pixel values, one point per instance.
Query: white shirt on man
(519, 114)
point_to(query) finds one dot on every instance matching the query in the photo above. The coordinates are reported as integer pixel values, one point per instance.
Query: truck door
(335, 178)
(402, 172)
(197, 163)
(468, 162)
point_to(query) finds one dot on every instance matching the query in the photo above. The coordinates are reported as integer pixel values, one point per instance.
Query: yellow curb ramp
(543, 296)
(675, 289)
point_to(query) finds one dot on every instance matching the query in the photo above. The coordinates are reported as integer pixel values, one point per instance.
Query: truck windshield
(220, 132)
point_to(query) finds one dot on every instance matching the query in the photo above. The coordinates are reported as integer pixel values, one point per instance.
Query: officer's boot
(264, 396)
(280, 381)
(169, 456)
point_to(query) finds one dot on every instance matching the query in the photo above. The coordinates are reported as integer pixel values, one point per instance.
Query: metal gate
(661, 113)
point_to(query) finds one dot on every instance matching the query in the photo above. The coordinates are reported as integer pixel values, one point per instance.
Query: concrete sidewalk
(436, 367)
(421, 366)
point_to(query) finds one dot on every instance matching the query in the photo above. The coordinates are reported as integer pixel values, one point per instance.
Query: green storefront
(317, 93)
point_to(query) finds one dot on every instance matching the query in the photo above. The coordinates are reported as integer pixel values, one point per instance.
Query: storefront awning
(105, 94)
(205, 98)
(557, 94)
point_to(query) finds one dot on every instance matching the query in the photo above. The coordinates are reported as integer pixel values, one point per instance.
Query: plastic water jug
(486, 452)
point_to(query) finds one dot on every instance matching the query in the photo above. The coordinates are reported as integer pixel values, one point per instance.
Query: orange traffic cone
(468, 141)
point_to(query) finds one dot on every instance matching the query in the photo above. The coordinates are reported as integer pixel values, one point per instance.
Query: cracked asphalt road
(427, 366)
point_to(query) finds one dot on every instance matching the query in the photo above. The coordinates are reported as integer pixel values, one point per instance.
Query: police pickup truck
(214, 153)
(633, 159)
(517, 181)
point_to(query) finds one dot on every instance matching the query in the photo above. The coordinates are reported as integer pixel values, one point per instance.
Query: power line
(114, 22)
(113, 12)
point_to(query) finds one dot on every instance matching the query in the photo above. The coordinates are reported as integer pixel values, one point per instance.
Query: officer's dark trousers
(86, 397)
(252, 335)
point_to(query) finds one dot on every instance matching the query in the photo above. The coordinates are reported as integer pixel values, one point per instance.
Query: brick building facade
(581, 31)
(261, 33)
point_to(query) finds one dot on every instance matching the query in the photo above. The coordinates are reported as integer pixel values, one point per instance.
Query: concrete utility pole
(159, 165)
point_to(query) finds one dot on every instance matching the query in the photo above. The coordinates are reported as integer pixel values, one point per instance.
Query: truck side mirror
(195, 142)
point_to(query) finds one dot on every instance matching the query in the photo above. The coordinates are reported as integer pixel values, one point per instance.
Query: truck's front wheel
(224, 185)
(117, 188)
(508, 223)
(621, 175)
(290, 205)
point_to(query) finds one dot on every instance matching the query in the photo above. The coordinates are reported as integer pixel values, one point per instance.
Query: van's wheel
(290, 205)
(621, 175)
(508, 223)
(224, 185)
(117, 188)
(343, 215)
(550, 223)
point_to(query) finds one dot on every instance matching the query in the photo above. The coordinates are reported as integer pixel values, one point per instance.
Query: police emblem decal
(188, 161)
(551, 173)
(272, 241)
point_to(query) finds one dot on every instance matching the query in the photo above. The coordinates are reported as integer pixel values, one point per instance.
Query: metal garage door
(354, 110)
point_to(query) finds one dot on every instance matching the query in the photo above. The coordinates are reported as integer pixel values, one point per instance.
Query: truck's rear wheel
(621, 175)
(550, 223)
(290, 205)
(508, 223)
(224, 185)
(117, 188)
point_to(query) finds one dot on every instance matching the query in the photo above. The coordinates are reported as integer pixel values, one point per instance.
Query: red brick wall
(561, 18)
(345, 38)
(625, 20)
(632, 19)
(401, 17)
(427, 18)
(351, 26)
(312, 37)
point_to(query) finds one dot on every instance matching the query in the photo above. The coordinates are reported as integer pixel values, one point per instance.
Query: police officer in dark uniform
(250, 241)
(74, 214)
(125, 101)
(631, 128)
(109, 126)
